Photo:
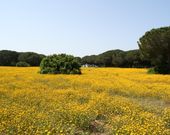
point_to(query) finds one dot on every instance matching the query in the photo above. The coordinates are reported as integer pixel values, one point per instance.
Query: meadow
(101, 101)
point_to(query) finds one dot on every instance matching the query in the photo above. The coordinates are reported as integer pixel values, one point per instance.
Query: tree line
(13, 58)
(117, 58)
(112, 58)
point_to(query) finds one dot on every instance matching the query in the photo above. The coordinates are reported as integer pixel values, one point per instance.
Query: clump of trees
(117, 58)
(11, 58)
(8, 58)
(31, 58)
(155, 46)
(60, 64)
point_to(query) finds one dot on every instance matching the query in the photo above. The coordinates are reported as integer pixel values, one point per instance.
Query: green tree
(155, 46)
(8, 58)
(31, 58)
(107, 57)
(60, 64)
(118, 58)
(91, 60)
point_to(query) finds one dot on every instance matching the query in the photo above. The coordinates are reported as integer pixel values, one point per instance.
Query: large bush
(60, 64)
(155, 46)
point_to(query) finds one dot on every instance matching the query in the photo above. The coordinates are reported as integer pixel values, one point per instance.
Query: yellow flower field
(101, 101)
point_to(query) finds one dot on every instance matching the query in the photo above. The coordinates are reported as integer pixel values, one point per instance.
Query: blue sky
(78, 27)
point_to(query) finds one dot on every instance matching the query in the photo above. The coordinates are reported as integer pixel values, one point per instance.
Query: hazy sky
(78, 27)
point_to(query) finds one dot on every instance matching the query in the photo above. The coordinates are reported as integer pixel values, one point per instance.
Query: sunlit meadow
(101, 101)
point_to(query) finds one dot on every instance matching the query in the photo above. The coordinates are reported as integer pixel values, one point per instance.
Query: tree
(107, 57)
(91, 60)
(79, 60)
(31, 58)
(60, 64)
(118, 58)
(155, 46)
(8, 58)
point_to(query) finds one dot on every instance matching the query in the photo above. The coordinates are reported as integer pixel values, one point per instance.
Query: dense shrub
(22, 64)
(60, 64)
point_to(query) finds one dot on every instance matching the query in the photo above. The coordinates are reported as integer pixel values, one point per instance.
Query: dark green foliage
(89, 60)
(31, 58)
(60, 64)
(22, 64)
(117, 58)
(79, 59)
(155, 46)
(113, 58)
(107, 57)
(8, 58)
(133, 58)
